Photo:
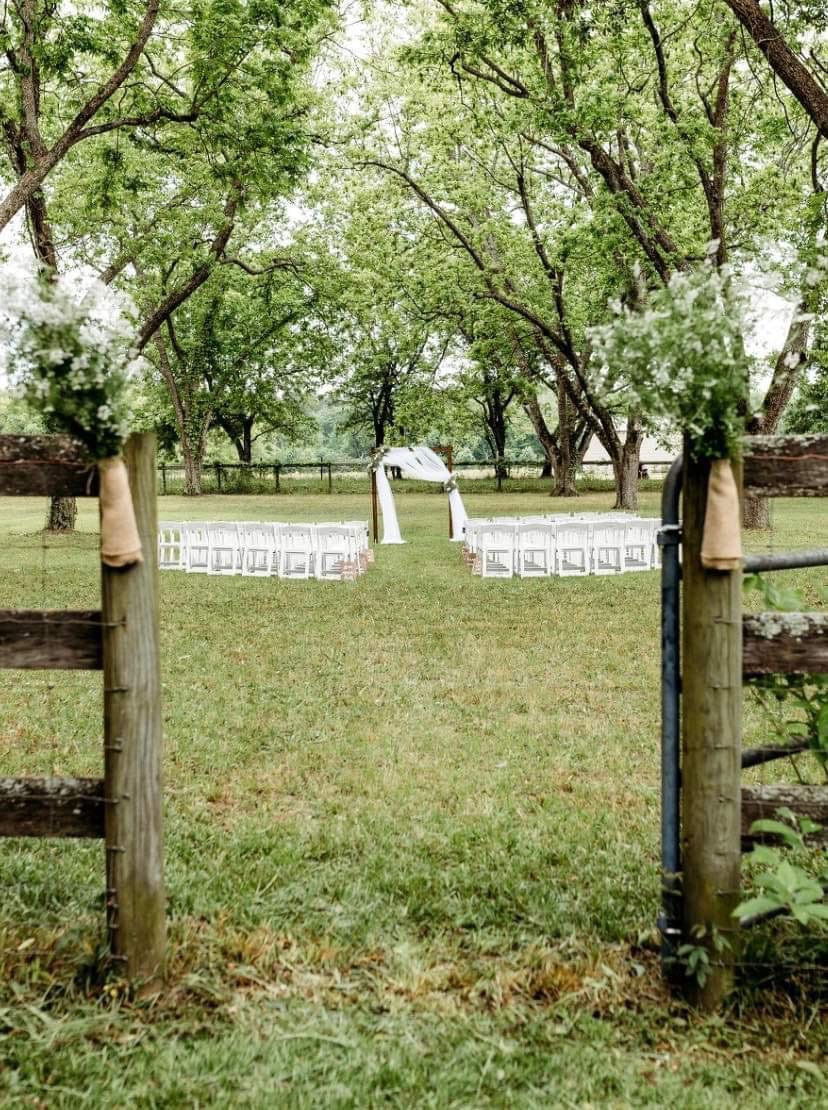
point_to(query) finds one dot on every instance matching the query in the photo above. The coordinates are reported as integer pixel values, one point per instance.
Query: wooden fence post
(711, 744)
(132, 739)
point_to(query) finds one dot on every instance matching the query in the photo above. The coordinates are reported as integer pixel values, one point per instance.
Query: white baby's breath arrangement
(67, 343)
(681, 359)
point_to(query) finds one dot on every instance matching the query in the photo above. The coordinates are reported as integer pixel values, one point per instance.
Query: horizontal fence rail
(52, 807)
(784, 643)
(55, 466)
(45, 639)
(761, 802)
(786, 466)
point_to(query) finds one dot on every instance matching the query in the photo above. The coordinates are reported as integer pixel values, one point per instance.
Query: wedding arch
(425, 465)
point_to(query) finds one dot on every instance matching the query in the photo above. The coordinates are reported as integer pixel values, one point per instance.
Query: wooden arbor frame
(121, 639)
(721, 649)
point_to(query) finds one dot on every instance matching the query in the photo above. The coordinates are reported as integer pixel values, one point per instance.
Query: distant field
(411, 839)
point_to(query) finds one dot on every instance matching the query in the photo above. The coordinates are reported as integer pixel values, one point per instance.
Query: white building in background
(655, 457)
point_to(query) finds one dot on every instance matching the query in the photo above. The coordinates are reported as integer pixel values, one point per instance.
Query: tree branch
(783, 61)
(28, 182)
(199, 276)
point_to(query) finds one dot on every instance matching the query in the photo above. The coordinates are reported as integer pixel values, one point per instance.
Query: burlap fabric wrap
(120, 543)
(722, 537)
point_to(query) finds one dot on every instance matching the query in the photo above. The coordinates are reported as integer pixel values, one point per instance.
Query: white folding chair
(223, 553)
(259, 543)
(535, 549)
(639, 540)
(497, 551)
(608, 548)
(197, 547)
(171, 547)
(656, 525)
(364, 553)
(572, 554)
(296, 551)
(471, 533)
(335, 553)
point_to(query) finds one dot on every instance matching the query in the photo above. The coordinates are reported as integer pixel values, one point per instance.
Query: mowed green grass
(411, 842)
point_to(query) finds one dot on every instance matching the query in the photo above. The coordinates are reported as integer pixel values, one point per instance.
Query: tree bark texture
(62, 514)
(625, 464)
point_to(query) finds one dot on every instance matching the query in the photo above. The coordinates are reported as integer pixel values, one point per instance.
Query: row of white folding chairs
(473, 525)
(568, 548)
(333, 550)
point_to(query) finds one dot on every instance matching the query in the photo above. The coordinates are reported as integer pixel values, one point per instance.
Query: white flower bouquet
(681, 360)
(66, 341)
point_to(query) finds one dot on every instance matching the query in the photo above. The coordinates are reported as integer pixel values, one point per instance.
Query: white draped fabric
(427, 466)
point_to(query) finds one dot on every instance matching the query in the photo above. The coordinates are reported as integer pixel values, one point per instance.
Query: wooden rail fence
(121, 640)
(721, 650)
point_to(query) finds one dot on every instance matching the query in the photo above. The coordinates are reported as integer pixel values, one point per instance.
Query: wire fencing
(351, 476)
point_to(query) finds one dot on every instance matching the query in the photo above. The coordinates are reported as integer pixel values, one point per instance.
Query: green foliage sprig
(695, 955)
(680, 360)
(782, 879)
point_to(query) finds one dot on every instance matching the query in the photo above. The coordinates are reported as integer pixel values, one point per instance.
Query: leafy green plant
(785, 882)
(696, 956)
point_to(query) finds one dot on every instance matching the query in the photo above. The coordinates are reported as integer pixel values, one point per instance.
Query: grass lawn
(411, 843)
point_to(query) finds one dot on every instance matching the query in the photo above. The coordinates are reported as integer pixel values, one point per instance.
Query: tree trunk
(239, 431)
(566, 485)
(625, 467)
(184, 422)
(495, 415)
(756, 513)
(62, 514)
(565, 478)
(583, 438)
(192, 470)
(784, 62)
(548, 440)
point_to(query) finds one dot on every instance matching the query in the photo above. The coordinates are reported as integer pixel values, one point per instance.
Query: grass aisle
(411, 839)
